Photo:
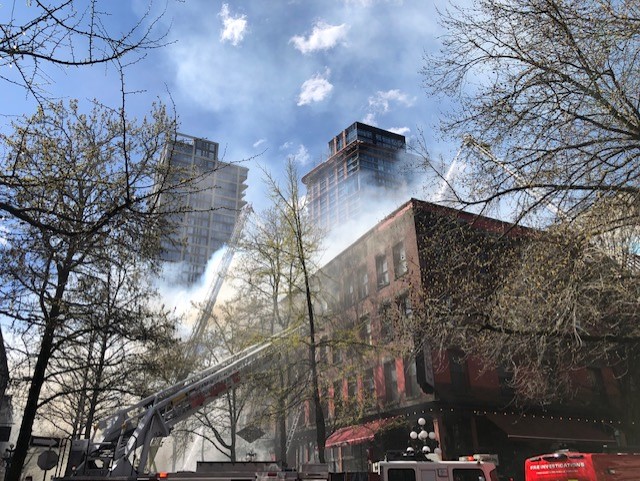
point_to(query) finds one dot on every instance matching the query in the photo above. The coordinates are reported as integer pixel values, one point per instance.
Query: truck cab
(436, 471)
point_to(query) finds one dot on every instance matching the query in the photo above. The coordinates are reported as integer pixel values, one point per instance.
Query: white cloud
(258, 143)
(400, 130)
(233, 27)
(381, 100)
(302, 155)
(315, 89)
(323, 37)
(370, 119)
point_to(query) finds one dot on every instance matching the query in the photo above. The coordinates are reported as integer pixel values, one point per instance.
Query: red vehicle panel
(572, 466)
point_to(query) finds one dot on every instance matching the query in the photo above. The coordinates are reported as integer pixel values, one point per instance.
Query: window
(468, 475)
(390, 381)
(410, 377)
(365, 329)
(399, 259)
(382, 271)
(337, 392)
(352, 389)
(337, 355)
(401, 474)
(368, 383)
(458, 370)
(349, 291)
(363, 282)
(386, 321)
(404, 305)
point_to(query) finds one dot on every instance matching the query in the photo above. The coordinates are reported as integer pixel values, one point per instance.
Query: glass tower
(362, 160)
(206, 211)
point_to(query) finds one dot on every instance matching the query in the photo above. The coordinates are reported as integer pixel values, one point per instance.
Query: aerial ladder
(205, 314)
(121, 445)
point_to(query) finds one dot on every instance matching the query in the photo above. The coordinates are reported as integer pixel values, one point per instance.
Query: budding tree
(78, 191)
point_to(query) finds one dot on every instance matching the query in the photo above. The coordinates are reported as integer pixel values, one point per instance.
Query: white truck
(406, 470)
(400, 470)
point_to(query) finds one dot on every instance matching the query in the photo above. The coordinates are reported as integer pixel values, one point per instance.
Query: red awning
(356, 434)
(557, 429)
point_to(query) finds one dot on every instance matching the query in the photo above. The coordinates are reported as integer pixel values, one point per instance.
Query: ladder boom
(154, 416)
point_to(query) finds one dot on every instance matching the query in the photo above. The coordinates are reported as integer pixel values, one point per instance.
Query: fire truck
(121, 446)
(435, 470)
(576, 466)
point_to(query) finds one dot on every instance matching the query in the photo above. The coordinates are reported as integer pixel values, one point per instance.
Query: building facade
(373, 287)
(363, 161)
(203, 214)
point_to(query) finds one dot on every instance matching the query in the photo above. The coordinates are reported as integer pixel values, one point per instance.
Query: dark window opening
(382, 271)
(399, 260)
(390, 381)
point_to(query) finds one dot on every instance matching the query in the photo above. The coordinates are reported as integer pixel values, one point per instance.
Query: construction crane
(629, 259)
(202, 321)
(122, 442)
(468, 141)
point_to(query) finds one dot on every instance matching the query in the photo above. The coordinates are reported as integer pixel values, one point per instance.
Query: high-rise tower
(209, 207)
(362, 160)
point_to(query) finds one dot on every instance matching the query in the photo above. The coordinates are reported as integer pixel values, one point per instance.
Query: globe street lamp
(427, 439)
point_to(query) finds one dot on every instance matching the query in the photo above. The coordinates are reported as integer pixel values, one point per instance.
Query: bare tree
(69, 33)
(551, 88)
(268, 283)
(97, 368)
(75, 188)
(548, 117)
(288, 201)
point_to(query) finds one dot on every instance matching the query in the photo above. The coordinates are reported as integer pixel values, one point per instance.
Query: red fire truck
(575, 466)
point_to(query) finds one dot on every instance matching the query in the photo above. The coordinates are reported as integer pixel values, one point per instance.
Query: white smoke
(183, 300)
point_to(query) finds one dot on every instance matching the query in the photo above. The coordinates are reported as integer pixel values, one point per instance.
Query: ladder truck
(123, 433)
(120, 448)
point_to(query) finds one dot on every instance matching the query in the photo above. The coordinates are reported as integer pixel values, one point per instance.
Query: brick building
(369, 294)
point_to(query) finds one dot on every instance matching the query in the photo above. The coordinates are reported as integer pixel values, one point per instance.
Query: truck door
(428, 475)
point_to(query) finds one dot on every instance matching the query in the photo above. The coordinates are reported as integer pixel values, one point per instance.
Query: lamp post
(428, 440)
(6, 458)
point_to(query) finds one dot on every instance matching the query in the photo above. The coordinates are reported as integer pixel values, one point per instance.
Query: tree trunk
(22, 444)
(96, 387)
(319, 414)
(24, 436)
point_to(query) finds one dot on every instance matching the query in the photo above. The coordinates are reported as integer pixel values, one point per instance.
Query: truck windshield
(396, 474)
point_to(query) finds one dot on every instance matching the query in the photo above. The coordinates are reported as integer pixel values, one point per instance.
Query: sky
(271, 79)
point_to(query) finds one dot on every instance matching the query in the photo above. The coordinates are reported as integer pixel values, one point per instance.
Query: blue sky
(274, 77)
